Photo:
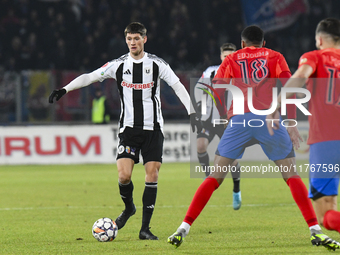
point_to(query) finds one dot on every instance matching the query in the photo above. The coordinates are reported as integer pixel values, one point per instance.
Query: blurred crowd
(84, 34)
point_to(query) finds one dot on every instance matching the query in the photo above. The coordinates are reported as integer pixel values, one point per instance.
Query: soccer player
(209, 130)
(322, 66)
(138, 75)
(257, 67)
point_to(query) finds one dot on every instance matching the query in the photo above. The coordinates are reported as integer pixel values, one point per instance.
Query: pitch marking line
(111, 207)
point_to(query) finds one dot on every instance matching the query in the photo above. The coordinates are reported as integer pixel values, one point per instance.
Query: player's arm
(297, 80)
(79, 82)
(168, 75)
(183, 95)
(84, 80)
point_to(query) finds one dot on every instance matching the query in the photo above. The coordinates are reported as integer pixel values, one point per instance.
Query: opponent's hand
(294, 136)
(195, 122)
(57, 93)
(273, 122)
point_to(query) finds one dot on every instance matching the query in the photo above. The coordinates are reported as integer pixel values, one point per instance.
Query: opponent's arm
(297, 80)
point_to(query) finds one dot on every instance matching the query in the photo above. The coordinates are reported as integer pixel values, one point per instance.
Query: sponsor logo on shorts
(120, 149)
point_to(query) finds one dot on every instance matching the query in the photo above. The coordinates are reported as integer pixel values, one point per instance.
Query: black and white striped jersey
(211, 110)
(139, 89)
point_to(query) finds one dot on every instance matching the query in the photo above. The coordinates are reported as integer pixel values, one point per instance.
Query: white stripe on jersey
(212, 112)
(139, 88)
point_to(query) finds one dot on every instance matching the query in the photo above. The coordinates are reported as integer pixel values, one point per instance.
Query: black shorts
(209, 131)
(132, 141)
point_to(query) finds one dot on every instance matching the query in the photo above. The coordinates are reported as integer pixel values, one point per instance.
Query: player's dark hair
(228, 46)
(135, 28)
(331, 27)
(252, 35)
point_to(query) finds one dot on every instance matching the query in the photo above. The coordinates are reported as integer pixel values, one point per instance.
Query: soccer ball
(104, 230)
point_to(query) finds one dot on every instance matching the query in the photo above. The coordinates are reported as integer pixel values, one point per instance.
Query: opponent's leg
(236, 190)
(327, 212)
(300, 195)
(201, 198)
(202, 154)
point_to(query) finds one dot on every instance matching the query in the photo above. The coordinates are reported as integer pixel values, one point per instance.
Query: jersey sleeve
(106, 71)
(310, 59)
(281, 66)
(167, 74)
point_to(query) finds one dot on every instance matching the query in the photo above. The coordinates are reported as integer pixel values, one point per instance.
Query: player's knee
(202, 144)
(201, 148)
(152, 176)
(124, 177)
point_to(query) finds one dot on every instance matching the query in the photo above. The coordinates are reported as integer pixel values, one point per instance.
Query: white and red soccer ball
(104, 230)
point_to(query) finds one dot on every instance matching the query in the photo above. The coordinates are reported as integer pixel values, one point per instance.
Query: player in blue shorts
(323, 67)
(257, 68)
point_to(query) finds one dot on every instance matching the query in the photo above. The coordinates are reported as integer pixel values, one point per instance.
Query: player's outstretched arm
(183, 95)
(79, 82)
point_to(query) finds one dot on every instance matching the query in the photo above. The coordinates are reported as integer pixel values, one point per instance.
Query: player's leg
(125, 166)
(235, 173)
(324, 183)
(279, 148)
(149, 198)
(326, 209)
(230, 147)
(127, 156)
(298, 190)
(152, 152)
(202, 154)
(203, 140)
(201, 198)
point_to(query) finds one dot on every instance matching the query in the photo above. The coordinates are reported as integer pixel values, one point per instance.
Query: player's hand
(294, 136)
(195, 122)
(273, 122)
(57, 93)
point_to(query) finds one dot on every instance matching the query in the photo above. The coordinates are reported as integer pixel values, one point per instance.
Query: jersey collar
(139, 60)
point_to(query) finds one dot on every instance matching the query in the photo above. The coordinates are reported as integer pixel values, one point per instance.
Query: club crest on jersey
(147, 70)
(304, 60)
(137, 85)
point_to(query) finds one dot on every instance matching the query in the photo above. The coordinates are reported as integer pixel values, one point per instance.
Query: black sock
(203, 158)
(236, 178)
(149, 200)
(125, 191)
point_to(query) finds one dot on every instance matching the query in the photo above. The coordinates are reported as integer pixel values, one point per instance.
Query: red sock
(300, 195)
(201, 198)
(331, 220)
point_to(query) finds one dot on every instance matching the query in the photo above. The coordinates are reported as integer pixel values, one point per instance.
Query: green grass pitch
(51, 209)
